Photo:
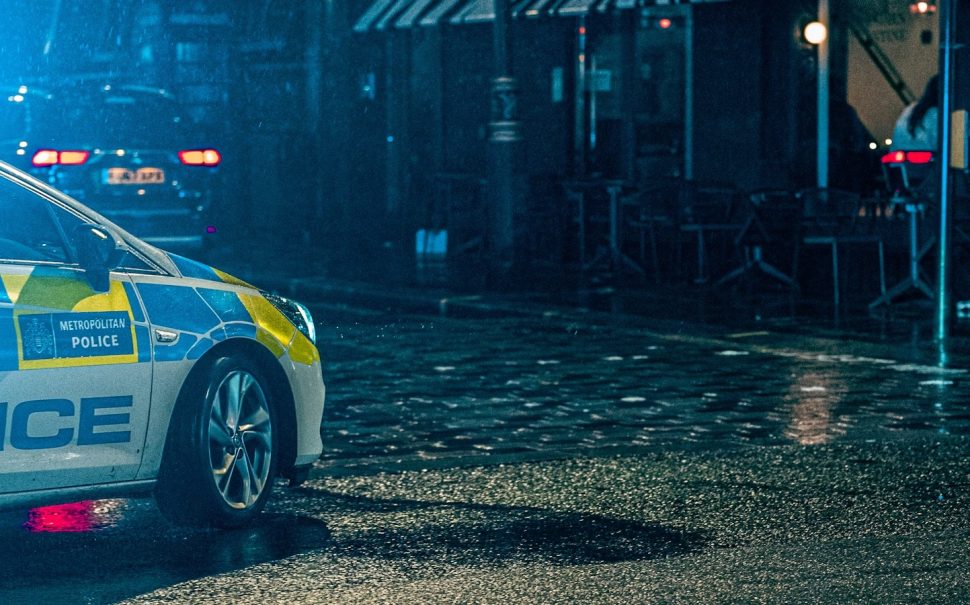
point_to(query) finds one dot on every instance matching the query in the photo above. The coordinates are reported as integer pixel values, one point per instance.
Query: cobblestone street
(411, 389)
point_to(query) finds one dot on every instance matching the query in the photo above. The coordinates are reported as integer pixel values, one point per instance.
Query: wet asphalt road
(565, 459)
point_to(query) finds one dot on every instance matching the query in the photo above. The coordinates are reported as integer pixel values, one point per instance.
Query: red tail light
(52, 157)
(894, 157)
(200, 157)
(912, 157)
(919, 157)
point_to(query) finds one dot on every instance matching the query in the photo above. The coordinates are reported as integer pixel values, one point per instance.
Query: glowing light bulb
(815, 32)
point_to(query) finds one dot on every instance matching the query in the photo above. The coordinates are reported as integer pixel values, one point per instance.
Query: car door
(75, 363)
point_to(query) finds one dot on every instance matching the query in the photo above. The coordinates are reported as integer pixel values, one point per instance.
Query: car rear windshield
(114, 120)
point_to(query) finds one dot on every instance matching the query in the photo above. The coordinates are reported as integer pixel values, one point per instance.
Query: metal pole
(579, 100)
(317, 21)
(689, 94)
(314, 67)
(504, 134)
(392, 200)
(500, 38)
(947, 28)
(592, 109)
(822, 134)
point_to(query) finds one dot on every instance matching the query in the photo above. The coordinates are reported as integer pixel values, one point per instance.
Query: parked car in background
(129, 152)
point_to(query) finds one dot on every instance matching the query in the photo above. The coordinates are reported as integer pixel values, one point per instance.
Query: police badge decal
(37, 337)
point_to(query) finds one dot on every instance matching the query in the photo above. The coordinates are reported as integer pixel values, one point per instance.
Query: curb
(432, 302)
(442, 303)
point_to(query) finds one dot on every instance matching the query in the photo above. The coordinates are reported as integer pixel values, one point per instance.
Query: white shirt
(924, 135)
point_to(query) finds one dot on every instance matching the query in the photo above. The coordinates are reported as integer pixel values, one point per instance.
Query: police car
(126, 370)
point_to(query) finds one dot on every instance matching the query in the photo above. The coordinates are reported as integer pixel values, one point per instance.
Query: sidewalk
(906, 328)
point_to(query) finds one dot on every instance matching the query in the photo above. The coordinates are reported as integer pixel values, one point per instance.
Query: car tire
(220, 456)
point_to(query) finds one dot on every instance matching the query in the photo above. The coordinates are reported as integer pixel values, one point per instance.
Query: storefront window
(659, 96)
(604, 83)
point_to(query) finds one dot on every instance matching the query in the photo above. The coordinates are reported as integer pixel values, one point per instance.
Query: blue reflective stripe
(238, 329)
(200, 348)
(208, 315)
(178, 307)
(195, 269)
(8, 338)
(226, 304)
(8, 341)
(144, 343)
(136, 313)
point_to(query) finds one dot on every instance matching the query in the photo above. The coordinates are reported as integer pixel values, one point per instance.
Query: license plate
(143, 176)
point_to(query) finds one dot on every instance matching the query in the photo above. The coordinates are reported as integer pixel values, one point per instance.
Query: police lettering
(94, 342)
(97, 421)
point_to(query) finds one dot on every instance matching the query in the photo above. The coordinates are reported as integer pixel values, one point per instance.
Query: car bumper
(309, 393)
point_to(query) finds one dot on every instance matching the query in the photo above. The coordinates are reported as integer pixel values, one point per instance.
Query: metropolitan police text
(100, 323)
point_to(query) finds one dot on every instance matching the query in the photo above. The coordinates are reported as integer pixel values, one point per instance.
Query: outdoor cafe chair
(831, 219)
(708, 213)
(769, 238)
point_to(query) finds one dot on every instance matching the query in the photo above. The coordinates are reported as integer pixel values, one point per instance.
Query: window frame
(70, 256)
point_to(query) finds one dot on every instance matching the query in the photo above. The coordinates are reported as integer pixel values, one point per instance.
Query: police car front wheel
(219, 459)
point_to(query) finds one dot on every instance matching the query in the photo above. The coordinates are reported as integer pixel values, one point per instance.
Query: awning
(374, 11)
(396, 9)
(411, 15)
(441, 8)
(533, 8)
(402, 14)
(576, 8)
(476, 11)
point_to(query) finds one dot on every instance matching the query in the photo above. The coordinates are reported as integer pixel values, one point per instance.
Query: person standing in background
(916, 128)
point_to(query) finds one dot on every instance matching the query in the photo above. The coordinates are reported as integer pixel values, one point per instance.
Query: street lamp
(504, 136)
(923, 7)
(815, 33)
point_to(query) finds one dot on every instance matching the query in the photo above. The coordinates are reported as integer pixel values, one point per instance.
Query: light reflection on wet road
(418, 388)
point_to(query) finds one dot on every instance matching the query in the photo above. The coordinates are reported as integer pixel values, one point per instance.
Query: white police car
(125, 370)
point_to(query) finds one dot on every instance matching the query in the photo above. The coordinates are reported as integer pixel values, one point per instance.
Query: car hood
(194, 269)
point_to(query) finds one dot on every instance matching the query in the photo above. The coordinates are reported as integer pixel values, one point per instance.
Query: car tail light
(919, 157)
(200, 157)
(912, 157)
(894, 157)
(52, 157)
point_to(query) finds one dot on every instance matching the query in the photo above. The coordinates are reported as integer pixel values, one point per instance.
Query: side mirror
(98, 252)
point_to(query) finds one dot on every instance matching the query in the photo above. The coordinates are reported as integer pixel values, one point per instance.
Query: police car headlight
(297, 313)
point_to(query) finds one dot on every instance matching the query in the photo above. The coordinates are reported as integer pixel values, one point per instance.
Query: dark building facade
(614, 89)
(353, 125)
